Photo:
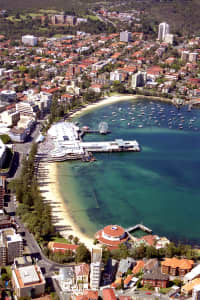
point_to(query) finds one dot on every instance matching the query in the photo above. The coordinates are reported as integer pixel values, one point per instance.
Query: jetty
(139, 226)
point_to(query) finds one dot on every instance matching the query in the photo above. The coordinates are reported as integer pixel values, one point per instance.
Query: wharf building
(112, 235)
(125, 36)
(163, 30)
(11, 246)
(28, 281)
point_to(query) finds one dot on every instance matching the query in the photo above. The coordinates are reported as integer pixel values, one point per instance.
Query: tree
(76, 240)
(82, 254)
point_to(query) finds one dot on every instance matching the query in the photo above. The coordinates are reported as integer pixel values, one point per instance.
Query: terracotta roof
(149, 239)
(109, 242)
(117, 282)
(114, 230)
(82, 269)
(108, 294)
(91, 294)
(178, 263)
(128, 279)
(189, 286)
(56, 247)
(139, 266)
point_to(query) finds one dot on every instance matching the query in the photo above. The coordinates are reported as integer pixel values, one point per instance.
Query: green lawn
(60, 240)
(164, 290)
(93, 18)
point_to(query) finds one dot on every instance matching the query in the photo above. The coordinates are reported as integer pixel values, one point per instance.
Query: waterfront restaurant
(112, 235)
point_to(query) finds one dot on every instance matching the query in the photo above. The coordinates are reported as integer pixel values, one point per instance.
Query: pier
(139, 226)
(64, 142)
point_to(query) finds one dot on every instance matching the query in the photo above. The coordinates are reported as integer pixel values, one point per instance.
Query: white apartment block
(138, 79)
(169, 38)
(163, 30)
(2, 153)
(115, 76)
(11, 245)
(28, 281)
(24, 107)
(95, 275)
(95, 268)
(125, 36)
(29, 40)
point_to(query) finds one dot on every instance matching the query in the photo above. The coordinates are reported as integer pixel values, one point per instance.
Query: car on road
(148, 293)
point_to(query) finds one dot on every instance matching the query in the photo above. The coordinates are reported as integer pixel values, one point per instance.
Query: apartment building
(11, 245)
(95, 268)
(28, 281)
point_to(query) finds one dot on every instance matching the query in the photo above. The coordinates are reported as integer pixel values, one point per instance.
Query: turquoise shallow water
(158, 186)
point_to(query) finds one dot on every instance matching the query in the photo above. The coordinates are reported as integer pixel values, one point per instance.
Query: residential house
(108, 294)
(66, 279)
(176, 267)
(188, 287)
(194, 273)
(88, 295)
(96, 88)
(138, 267)
(124, 265)
(61, 247)
(155, 278)
(82, 276)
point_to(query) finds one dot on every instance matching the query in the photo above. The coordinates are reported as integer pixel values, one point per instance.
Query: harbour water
(158, 186)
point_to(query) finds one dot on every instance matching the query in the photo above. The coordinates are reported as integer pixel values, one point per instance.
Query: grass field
(60, 240)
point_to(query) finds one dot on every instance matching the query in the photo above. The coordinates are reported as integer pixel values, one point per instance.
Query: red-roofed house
(108, 294)
(88, 295)
(148, 240)
(139, 266)
(61, 247)
(82, 276)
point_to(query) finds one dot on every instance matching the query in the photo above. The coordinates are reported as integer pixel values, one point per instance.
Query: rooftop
(178, 263)
(28, 275)
(114, 230)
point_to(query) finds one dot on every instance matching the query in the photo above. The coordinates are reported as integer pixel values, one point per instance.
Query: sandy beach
(114, 99)
(60, 216)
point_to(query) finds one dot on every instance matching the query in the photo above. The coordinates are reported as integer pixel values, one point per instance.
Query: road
(47, 265)
(24, 148)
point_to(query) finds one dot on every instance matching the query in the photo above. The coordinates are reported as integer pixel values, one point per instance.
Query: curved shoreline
(114, 99)
(61, 218)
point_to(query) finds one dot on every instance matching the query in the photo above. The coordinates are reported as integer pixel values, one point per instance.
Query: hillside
(182, 15)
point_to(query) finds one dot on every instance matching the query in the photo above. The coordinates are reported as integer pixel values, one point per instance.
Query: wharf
(139, 226)
(64, 142)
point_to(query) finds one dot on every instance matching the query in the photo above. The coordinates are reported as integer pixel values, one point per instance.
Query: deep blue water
(158, 186)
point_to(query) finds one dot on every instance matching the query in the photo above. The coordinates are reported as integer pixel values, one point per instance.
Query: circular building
(112, 235)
